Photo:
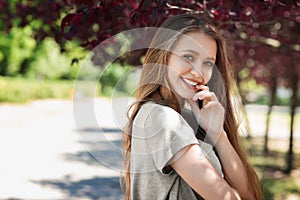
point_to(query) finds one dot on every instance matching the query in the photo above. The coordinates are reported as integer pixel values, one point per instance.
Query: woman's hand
(211, 116)
(211, 119)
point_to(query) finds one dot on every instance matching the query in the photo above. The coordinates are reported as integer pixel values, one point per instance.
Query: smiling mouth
(190, 83)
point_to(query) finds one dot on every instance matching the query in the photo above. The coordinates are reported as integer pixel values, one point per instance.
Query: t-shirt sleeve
(159, 132)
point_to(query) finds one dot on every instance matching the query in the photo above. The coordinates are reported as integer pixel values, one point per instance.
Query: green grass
(276, 184)
(280, 188)
(20, 90)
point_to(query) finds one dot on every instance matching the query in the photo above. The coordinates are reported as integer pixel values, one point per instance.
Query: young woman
(181, 141)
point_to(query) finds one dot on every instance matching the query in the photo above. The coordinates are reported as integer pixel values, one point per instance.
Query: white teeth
(192, 83)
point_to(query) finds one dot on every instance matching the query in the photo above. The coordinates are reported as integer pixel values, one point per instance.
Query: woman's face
(191, 63)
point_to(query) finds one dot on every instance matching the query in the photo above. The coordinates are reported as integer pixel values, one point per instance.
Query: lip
(192, 80)
(193, 87)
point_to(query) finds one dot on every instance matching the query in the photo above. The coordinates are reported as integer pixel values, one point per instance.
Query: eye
(188, 57)
(208, 63)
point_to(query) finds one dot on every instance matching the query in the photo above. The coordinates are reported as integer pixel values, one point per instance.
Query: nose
(196, 71)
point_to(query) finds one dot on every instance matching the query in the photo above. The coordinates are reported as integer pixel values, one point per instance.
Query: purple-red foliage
(92, 21)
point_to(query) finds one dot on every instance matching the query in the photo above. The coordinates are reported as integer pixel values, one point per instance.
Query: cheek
(208, 75)
(172, 76)
(176, 65)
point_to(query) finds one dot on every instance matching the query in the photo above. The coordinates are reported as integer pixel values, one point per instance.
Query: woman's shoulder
(159, 110)
(154, 113)
(151, 106)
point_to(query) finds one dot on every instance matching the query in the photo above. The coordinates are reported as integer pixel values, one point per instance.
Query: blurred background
(46, 50)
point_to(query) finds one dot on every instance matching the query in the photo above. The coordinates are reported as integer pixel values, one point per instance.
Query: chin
(186, 95)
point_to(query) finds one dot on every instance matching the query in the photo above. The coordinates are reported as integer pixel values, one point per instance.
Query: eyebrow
(197, 53)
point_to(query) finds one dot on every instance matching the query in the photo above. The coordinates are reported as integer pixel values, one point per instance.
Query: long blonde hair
(154, 86)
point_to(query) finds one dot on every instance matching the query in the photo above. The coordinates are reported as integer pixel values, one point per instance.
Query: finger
(202, 87)
(214, 97)
(211, 104)
(199, 95)
(210, 96)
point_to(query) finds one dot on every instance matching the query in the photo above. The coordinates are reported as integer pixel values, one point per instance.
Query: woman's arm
(233, 166)
(211, 118)
(202, 176)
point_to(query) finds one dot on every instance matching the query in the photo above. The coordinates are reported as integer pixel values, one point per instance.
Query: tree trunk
(293, 106)
(247, 126)
(24, 66)
(3, 68)
(273, 89)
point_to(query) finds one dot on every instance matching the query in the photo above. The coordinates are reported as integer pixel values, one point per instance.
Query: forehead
(198, 42)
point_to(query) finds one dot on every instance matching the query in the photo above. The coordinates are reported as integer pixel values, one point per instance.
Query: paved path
(45, 154)
(279, 121)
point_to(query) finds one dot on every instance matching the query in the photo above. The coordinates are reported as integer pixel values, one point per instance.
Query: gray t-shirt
(158, 133)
